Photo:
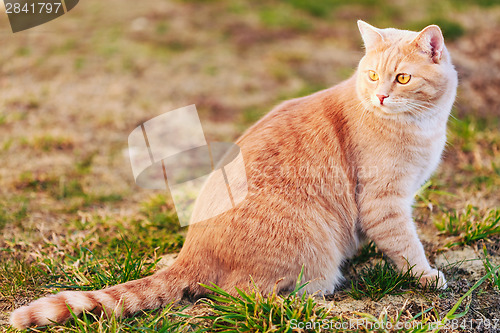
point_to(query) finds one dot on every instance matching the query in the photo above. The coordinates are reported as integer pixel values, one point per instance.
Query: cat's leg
(324, 286)
(386, 219)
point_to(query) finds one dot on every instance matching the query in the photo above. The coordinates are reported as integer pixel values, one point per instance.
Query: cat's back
(315, 123)
(301, 112)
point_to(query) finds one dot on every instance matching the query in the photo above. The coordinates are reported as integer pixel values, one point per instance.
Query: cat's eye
(403, 78)
(373, 75)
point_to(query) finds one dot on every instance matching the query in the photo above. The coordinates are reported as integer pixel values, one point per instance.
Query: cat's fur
(324, 172)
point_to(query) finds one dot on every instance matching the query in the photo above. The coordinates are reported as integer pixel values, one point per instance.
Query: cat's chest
(406, 158)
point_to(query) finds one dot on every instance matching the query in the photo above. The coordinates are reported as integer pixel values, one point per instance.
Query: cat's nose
(381, 98)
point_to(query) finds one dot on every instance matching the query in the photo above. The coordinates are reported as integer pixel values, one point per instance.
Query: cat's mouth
(386, 109)
(388, 112)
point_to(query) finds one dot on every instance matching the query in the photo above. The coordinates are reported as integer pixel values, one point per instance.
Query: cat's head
(404, 72)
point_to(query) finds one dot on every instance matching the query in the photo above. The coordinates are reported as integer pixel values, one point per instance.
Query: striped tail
(124, 299)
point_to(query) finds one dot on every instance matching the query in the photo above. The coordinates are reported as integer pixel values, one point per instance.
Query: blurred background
(73, 89)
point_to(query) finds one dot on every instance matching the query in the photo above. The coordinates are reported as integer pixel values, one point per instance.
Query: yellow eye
(373, 75)
(403, 78)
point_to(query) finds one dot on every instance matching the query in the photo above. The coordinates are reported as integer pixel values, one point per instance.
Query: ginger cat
(324, 172)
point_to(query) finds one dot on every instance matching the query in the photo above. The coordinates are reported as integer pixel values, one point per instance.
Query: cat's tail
(151, 292)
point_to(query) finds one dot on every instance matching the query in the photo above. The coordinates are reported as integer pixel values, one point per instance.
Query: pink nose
(381, 98)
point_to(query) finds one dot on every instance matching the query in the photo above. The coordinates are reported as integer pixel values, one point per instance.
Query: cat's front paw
(434, 279)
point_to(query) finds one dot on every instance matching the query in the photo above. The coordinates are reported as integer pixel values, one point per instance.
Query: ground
(73, 89)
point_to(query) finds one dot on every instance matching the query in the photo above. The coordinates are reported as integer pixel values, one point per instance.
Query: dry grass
(73, 89)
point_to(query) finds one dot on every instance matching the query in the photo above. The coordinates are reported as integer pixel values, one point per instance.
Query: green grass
(487, 3)
(83, 164)
(251, 115)
(168, 320)
(160, 213)
(67, 187)
(3, 119)
(452, 315)
(28, 181)
(380, 280)
(325, 8)
(490, 269)
(87, 271)
(20, 279)
(474, 145)
(13, 211)
(283, 17)
(429, 195)
(107, 234)
(253, 312)
(366, 253)
(452, 30)
(470, 133)
(469, 225)
(316, 8)
(48, 142)
(79, 269)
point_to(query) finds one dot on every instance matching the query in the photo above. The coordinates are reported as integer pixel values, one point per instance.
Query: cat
(325, 172)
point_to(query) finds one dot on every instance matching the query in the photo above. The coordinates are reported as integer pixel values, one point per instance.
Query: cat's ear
(370, 34)
(431, 41)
